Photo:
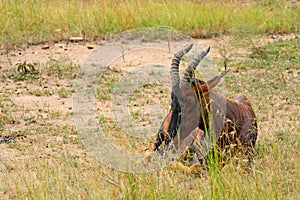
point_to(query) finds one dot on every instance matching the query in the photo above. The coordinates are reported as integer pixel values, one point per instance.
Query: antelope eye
(189, 100)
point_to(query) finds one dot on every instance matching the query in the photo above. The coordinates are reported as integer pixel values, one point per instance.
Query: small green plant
(37, 92)
(61, 68)
(47, 92)
(55, 114)
(22, 71)
(102, 119)
(136, 114)
(63, 93)
(102, 95)
(136, 95)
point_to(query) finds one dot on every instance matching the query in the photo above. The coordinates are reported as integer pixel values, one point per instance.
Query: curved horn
(189, 72)
(175, 66)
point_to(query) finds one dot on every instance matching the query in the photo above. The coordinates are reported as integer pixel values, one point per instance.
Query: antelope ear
(215, 80)
(166, 122)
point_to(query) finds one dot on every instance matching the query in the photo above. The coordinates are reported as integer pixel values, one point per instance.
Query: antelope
(193, 101)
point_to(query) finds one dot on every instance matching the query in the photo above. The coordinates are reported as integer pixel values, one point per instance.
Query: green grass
(6, 107)
(61, 68)
(281, 52)
(39, 21)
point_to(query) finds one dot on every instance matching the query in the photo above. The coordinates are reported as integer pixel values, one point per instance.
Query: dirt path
(78, 52)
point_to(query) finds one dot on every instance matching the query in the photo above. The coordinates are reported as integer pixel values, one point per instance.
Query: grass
(6, 107)
(50, 170)
(41, 21)
(61, 68)
(48, 160)
(282, 51)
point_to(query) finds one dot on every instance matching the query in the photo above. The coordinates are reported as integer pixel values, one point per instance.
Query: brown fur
(193, 101)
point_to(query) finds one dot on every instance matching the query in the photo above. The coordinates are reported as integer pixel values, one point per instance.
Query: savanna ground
(46, 158)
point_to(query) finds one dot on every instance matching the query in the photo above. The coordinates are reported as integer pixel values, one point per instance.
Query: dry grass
(48, 161)
(40, 21)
